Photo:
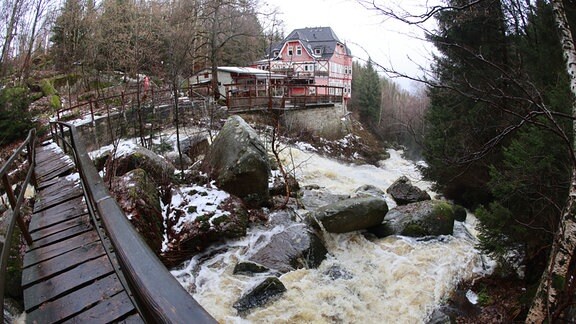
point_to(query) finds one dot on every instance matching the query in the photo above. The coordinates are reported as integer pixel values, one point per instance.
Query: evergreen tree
(368, 94)
(532, 180)
(466, 108)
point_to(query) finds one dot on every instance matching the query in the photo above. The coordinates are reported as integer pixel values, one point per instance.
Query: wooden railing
(248, 97)
(13, 216)
(158, 295)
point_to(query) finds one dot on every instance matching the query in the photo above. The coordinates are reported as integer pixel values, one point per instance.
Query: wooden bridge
(84, 261)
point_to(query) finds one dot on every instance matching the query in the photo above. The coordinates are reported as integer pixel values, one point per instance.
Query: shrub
(15, 120)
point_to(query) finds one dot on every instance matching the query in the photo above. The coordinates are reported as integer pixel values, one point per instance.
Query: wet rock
(439, 316)
(138, 196)
(459, 213)
(335, 272)
(294, 248)
(425, 218)
(160, 170)
(369, 191)
(350, 214)
(205, 230)
(268, 290)
(239, 162)
(404, 192)
(249, 268)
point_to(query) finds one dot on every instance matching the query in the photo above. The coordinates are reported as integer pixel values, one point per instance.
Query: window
(275, 53)
(290, 50)
(318, 51)
(298, 50)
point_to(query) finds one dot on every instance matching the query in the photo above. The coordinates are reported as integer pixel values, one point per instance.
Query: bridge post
(15, 210)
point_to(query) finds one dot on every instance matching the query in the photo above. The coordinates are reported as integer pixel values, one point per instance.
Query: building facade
(312, 56)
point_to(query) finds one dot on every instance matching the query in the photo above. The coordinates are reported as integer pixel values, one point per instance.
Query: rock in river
(404, 192)
(238, 161)
(351, 214)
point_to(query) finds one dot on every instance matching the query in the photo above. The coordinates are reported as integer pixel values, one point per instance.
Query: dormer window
(275, 53)
(298, 50)
(290, 50)
(318, 51)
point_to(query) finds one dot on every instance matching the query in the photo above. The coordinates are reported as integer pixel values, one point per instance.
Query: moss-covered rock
(138, 196)
(158, 168)
(425, 218)
(350, 214)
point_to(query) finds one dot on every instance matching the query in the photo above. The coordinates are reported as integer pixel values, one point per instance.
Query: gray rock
(269, 289)
(404, 192)
(425, 218)
(195, 146)
(369, 191)
(351, 214)
(459, 213)
(160, 170)
(238, 161)
(249, 268)
(294, 248)
(174, 159)
(313, 197)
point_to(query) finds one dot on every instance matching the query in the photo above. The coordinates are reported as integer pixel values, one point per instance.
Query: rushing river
(391, 280)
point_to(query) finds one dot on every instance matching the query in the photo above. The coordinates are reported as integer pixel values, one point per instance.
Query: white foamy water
(391, 280)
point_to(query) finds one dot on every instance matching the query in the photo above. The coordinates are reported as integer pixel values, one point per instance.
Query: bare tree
(11, 15)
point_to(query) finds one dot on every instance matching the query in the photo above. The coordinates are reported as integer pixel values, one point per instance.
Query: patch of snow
(472, 297)
(305, 147)
(195, 201)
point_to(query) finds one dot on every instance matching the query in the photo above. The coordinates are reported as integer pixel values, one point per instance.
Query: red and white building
(312, 56)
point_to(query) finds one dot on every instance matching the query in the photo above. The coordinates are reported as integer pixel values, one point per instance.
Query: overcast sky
(388, 42)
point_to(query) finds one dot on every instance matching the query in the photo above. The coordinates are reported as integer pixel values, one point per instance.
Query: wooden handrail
(159, 295)
(15, 204)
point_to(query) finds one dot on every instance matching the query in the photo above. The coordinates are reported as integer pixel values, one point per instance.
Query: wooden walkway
(68, 276)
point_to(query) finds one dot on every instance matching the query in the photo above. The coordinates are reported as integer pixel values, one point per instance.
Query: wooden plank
(47, 202)
(62, 170)
(66, 282)
(63, 235)
(107, 311)
(52, 165)
(62, 226)
(39, 254)
(56, 265)
(47, 183)
(63, 184)
(75, 302)
(56, 214)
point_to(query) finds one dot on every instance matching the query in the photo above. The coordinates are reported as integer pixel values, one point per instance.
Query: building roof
(322, 38)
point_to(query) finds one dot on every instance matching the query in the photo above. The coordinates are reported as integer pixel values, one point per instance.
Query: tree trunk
(10, 33)
(556, 276)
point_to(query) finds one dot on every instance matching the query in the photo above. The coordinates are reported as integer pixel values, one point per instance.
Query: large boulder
(199, 218)
(425, 218)
(238, 161)
(138, 157)
(295, 247)
(404, 192)
(137, 195)
(351, 214)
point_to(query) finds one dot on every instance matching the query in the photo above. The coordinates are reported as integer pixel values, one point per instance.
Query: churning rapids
(391, 280)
